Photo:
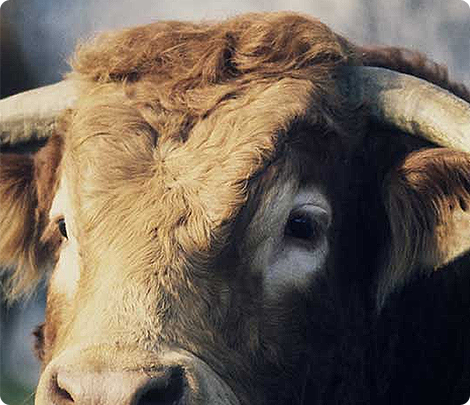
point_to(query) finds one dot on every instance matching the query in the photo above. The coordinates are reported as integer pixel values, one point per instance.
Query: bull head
(198, 196)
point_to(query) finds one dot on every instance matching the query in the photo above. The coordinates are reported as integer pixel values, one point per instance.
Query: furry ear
(18, 203)
(427, 199)
(27, 187)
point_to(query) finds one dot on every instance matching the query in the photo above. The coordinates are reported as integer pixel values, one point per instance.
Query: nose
(165, 387)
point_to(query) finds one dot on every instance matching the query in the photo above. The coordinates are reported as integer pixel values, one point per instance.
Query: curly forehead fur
(180, 139)
(185, 114)
(190, 113)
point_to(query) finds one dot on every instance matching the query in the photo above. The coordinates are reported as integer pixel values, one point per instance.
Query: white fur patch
(287, 262)
(66, 274)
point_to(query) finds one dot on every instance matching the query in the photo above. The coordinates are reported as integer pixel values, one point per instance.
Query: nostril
(61, 393)
(64, 395)
(79, 387)
(167, 389)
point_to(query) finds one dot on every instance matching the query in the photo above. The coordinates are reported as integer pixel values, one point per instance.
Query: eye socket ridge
(307, 223)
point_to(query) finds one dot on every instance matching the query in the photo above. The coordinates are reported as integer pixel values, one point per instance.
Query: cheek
(61, 291)
(293, 268)
(66, 274)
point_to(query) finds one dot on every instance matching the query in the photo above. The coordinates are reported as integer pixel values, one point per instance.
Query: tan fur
(203, 118)
(178, 129)
(166, 77)
(17, 230)
(424, 195)
(164, 157)
(27, 186)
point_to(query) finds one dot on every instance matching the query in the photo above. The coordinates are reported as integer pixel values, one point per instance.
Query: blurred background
(37, 37)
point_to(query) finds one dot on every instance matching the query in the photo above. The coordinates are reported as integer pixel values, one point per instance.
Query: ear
(427, 199)
(17, 220)
(27, 185)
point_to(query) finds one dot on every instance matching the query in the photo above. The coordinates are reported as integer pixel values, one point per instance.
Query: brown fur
(17, 230)
(178, 129)
(421, 195)
(174, 74)
(27, 186)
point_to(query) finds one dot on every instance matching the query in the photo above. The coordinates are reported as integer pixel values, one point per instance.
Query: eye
(62, 227)
(307, 223)
(301, 226)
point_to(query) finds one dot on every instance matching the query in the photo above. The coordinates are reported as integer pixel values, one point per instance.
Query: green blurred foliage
(12, 393)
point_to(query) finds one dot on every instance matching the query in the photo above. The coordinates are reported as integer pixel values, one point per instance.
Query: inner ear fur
(17, 223)
(27, 186)
(427, 200)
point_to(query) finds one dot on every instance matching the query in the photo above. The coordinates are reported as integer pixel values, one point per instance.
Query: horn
(410, 104)
(30, 116)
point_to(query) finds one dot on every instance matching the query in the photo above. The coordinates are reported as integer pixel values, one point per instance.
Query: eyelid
(319, 214)
(52, 237)
(53, 220)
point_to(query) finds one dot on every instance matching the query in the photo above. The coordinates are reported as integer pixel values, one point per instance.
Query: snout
(90, 377)
(111, 387)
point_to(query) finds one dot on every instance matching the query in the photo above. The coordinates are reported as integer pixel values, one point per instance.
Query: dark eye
(301, 227)
(62, 227)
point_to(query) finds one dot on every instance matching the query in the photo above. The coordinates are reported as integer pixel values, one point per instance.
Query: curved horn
(30, 116)
(410, 104)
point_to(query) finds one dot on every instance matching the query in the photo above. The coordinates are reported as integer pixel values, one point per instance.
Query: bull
(253, 211)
